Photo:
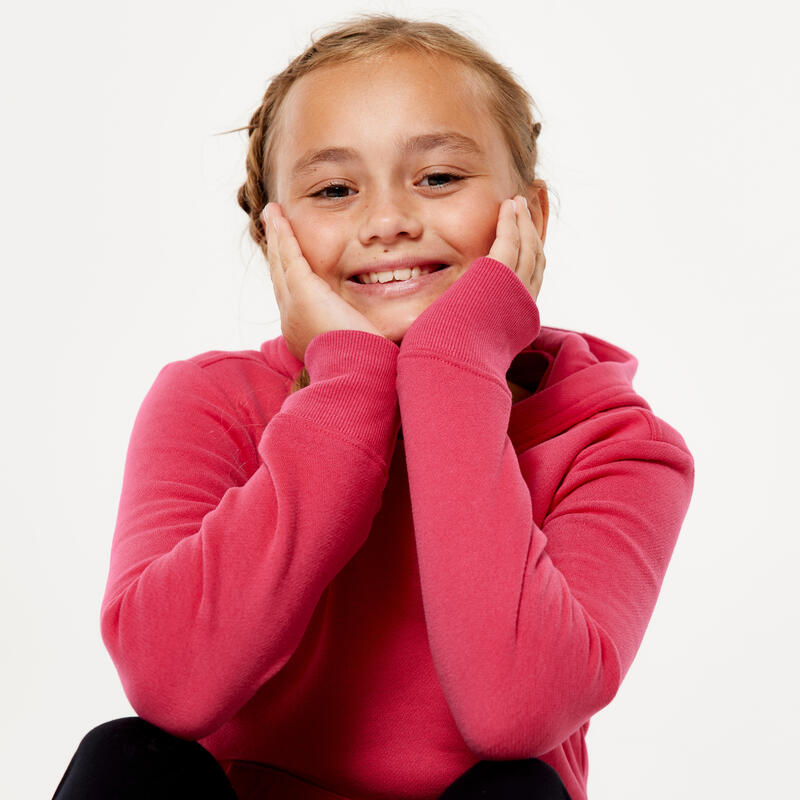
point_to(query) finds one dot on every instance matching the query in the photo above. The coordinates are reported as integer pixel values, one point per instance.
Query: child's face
(408, 166)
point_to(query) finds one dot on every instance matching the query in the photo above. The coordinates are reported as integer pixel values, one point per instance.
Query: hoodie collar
(277, 355)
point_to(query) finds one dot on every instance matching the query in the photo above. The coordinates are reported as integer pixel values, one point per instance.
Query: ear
(539, 205)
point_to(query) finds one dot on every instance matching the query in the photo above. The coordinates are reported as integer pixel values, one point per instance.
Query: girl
(409, 547)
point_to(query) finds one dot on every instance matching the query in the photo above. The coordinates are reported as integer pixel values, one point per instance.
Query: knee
(119, 727)
(124, 734)
(529, 777)
(130, 757)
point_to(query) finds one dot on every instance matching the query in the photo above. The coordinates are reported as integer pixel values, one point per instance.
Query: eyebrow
(446, 140)
(335, 155)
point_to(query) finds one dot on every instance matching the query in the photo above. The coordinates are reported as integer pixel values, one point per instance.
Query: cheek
(485, 233)
(320, 244)
(473, 228)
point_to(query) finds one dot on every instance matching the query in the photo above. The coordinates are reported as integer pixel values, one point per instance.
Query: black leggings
(131, 759)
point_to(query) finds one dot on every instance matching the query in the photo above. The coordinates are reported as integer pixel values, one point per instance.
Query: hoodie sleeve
(220, 554)
(531, 628)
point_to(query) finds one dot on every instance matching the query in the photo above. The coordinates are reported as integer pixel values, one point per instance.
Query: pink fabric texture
(292, 583)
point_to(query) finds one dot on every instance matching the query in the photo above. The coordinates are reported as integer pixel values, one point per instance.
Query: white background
(669, 137)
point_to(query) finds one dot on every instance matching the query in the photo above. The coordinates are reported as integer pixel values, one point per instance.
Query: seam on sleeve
(341, 437)
(433, 356)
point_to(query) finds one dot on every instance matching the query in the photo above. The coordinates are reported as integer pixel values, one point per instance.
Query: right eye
(333, 191)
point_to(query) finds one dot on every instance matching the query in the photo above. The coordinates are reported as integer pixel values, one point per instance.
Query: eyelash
(453, 178)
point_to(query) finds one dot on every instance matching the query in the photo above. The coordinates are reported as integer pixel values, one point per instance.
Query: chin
(394, 333)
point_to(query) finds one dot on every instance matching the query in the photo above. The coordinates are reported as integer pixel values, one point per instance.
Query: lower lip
(401, 288)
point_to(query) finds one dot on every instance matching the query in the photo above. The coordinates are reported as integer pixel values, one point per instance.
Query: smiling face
(393, 163)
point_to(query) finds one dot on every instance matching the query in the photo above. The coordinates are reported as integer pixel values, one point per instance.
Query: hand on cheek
(517, 244)
(307, 304)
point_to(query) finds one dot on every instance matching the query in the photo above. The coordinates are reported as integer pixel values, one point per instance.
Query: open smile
(399, 288)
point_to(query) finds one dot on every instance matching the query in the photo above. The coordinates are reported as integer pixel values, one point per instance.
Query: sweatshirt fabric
(374, 582)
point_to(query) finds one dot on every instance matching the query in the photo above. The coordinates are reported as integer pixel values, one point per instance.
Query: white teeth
(398, 275)
(393, 275)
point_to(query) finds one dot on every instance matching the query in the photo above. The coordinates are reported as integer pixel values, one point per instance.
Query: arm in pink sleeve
(531, 627)
(222, 550)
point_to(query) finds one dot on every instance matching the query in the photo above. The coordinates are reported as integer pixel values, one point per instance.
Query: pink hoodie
(294, 585)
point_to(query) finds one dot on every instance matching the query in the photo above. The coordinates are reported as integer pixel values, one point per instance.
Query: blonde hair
(374, 35)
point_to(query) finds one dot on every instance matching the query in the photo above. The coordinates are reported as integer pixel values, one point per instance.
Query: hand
(307, 304)
(518, 245)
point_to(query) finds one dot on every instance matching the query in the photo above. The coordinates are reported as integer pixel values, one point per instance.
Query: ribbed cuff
(352, 387)
(337, 352)
(484, 319)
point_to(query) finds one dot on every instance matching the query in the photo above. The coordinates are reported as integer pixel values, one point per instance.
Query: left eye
(440, 179)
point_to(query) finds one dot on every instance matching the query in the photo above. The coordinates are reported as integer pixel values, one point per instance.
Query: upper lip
(400, 263)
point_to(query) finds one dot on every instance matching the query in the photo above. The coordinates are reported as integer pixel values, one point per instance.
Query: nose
(389, 216)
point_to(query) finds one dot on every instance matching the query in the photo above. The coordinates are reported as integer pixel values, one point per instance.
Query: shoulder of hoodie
(244, 379)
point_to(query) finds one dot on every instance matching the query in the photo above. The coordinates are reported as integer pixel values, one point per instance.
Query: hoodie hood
(572, 376)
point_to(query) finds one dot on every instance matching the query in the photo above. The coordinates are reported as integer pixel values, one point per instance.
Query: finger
(506, 243)
(534, 258)
(268, 216)
(291, 256)
(529, 241)
(540, 262)
(271, 212)
(538, 272)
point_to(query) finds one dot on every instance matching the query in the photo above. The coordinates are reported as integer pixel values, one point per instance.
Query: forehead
(397, 69)
(384, 98)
